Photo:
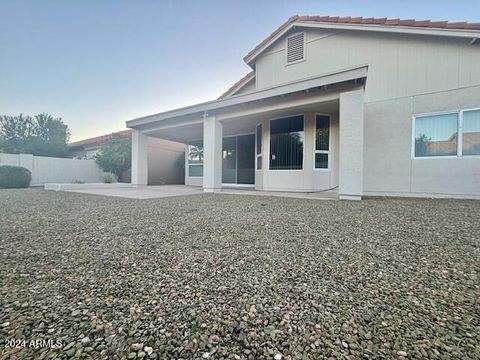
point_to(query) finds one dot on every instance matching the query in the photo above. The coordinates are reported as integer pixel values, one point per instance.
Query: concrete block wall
(54, 170)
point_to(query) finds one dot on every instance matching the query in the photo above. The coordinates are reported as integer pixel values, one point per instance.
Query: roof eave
(461, 33)
(347, 74)
(239, 85)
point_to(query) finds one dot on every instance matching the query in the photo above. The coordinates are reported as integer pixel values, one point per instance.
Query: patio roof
(305, 85)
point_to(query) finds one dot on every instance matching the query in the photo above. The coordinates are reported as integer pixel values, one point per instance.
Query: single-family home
(368, 106)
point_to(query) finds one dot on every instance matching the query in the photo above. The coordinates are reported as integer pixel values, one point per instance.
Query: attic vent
(295, 48)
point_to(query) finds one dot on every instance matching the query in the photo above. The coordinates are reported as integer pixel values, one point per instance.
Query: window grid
(258, 146)
(195, 158)
(327, 152)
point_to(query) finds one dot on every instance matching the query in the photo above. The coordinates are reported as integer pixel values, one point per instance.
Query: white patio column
(351, 145)
(139, 159)
(212, 154)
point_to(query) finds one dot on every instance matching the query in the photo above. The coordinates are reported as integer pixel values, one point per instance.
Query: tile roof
(239, 83)
(368, 21)
(100, 139)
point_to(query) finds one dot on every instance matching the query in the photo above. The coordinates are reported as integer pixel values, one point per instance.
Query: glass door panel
(229, 160)
(246, 159)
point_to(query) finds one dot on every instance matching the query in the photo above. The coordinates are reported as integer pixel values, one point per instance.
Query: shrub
(109, 177)
(14, 177)
(75, 181)
(116, 156)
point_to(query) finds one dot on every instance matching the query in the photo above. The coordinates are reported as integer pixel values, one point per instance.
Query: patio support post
(139, 159)
(351, 145)
(212, 154)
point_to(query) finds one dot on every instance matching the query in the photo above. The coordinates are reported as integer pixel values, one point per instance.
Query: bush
(109, 178)
(14, 177)
(116, 156)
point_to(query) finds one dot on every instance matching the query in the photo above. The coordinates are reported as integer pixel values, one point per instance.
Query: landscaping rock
(239, 277)
(85, 341)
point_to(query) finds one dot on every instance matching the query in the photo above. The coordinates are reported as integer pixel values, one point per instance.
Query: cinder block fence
(54, 170)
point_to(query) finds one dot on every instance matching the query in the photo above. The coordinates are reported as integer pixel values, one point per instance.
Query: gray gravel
(229, 276)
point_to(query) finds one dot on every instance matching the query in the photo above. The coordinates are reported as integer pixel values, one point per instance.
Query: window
(286, 143)
(471, 133)
(450, 134)
(322, 141)
(258, 134)
(436, 135)
(195, 158)
(295, 48)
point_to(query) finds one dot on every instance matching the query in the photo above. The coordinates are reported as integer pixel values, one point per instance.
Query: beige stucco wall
(162, 162)
(407, 75)
(398, 65)
(388, 165)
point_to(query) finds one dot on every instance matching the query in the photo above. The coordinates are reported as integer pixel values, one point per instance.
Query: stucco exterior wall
(398, 65)
(163, 162)
(389, 168)
(407, 75)
(164, 166)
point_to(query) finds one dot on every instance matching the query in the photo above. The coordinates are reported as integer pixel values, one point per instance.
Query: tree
(116, 157)
(41, 135)
(51, 136)
(422, 144)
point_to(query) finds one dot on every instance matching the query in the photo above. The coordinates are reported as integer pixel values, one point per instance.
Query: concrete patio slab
(318, 195)
(87, 186)
(144, 192)
(160, 191)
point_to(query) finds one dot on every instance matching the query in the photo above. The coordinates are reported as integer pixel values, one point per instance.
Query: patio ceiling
(238, 125)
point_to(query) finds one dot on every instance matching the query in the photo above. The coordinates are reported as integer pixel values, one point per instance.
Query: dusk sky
(98, 63)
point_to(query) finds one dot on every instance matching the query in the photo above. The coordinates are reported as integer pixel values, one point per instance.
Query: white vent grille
(295, 48)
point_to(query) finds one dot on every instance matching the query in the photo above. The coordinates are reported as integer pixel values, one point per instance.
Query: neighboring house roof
(470, 140)
(99, 140)
(238, 85)
(364, 23)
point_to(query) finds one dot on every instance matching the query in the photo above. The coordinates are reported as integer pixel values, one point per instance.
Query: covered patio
(301, 137)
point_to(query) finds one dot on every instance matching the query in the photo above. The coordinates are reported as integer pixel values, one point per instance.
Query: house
(88, 148)
(164, 157)
(354, 104)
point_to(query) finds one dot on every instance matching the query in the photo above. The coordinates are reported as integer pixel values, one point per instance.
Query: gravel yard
(238, 277)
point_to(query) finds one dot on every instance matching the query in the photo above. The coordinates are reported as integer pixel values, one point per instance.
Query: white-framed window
(471, 133)
(446, 134)
(258, 146)
(286, 143)
(195, 158)
(295, 48)
(322, 142)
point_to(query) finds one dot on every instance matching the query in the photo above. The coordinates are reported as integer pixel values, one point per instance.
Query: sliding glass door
(238, 159)
(229, 162)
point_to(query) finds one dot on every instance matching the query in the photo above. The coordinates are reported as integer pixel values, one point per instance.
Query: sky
(98, 63)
